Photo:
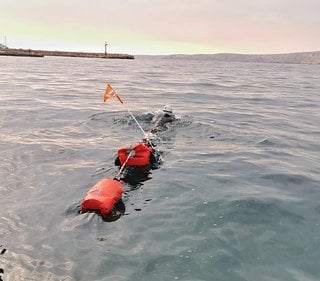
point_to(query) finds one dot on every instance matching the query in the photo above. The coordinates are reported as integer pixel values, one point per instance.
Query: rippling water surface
(237, 197)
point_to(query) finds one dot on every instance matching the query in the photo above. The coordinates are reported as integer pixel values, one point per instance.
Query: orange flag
(110, 93)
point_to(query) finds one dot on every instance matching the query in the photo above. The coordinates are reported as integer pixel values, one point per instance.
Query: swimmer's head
(167, 109)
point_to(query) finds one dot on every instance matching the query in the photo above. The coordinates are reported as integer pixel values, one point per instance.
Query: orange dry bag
(103, 196)
(140, 157)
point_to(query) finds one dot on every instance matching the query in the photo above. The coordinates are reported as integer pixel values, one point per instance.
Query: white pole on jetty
(105, 48)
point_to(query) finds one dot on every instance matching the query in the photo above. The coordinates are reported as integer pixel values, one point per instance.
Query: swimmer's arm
(156, 118)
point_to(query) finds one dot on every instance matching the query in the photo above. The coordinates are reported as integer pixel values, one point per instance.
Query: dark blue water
(237, 197)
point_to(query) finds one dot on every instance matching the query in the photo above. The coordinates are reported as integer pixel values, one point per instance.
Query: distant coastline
(291, 58)
(43, 53)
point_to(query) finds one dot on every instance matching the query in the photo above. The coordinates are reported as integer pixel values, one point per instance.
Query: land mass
(42, 53)
(294, 58)
(291, 58)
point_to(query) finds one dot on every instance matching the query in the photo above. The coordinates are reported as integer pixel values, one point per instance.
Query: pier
(42, 53)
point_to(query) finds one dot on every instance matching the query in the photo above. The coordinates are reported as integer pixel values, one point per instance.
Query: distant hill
(298, 58)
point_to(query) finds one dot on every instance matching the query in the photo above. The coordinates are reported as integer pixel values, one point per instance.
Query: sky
(158, 27)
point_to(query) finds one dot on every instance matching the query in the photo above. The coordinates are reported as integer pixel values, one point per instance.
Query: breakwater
(42, 53)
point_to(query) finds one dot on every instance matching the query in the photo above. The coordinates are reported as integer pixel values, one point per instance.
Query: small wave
(253, 210)
(287, 178)
(266, 142)
(73, 208)
(106, 117)
(25, 265)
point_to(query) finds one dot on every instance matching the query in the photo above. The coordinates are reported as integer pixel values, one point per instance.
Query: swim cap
(167, 109)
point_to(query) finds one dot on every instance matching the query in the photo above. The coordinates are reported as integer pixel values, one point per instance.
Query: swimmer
(162, 117)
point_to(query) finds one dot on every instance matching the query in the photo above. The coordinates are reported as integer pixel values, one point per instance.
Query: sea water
(236, 197)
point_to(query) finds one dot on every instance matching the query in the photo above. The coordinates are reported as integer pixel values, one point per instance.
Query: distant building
(3, 46)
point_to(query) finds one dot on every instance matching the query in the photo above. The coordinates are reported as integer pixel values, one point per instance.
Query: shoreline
(43, 53)
(291, 58)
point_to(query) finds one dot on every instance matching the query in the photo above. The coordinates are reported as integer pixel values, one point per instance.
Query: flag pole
(110, 92)
(144, 133)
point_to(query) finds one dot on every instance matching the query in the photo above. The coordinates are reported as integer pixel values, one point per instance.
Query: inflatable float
(103, 196)
(142, 154)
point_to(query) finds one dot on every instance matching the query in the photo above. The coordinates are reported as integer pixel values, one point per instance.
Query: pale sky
(162, 26)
